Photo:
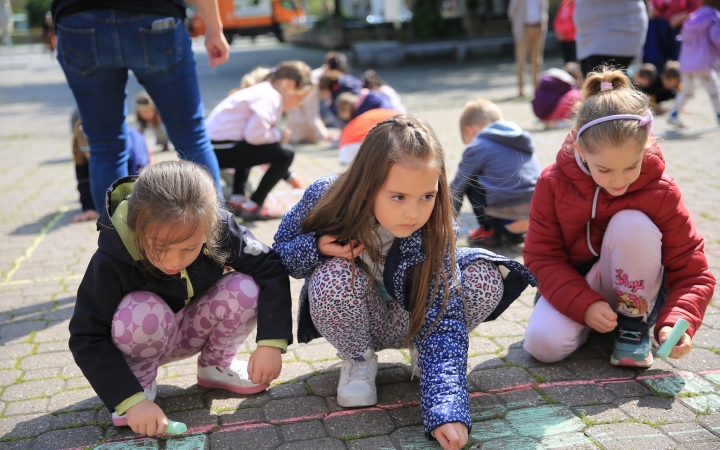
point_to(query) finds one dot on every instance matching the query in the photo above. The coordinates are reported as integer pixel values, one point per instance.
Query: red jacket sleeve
(688, 279)
(544, 254)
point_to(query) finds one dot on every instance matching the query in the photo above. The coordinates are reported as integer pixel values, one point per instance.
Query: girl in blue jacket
(376, 246)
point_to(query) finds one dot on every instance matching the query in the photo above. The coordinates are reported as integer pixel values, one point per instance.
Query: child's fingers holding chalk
(680, 349)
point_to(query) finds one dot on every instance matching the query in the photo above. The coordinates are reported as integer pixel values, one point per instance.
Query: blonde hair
(346, 208)
(346, 100)
(480, 111)
(623, 98)
(181, 194)
(297, 71)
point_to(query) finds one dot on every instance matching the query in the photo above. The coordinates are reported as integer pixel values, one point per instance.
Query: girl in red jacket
(610, 239)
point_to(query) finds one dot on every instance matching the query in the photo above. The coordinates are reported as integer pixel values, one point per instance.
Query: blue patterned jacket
(443, 352)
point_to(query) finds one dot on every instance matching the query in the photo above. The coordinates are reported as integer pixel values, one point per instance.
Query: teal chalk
(677, 332)
(175, 427)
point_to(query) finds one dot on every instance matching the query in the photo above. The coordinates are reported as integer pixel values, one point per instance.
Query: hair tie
(643, 121)
(273, 70)
(606, 86)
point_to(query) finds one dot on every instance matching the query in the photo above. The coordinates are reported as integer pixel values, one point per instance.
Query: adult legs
(688, 82)
(521, 50)
(594, 62)
(537, 44)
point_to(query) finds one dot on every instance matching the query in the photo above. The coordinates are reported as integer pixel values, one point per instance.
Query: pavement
(516, 401)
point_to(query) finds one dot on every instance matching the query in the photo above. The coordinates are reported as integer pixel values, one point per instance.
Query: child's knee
(551, 345)
(337, 279)
(141, 318)
(239, 286)
(632, 226)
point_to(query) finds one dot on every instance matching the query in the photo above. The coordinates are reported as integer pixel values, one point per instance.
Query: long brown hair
(179, 193)
(346, 208)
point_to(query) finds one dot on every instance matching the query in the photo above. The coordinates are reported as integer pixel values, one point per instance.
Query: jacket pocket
(77, 49)
(162, 49)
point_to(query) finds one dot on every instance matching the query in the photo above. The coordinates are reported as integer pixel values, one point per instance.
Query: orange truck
(253, 17)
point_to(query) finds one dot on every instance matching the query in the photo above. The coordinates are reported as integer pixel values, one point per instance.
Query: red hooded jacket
(556, 242)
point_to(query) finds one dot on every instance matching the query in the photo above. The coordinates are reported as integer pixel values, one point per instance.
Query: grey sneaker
(357, 381)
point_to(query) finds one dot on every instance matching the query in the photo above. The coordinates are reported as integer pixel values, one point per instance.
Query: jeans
(95, 50)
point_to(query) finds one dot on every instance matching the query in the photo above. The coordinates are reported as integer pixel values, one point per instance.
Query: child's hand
(683, 346)
(265, 365)
(147, 418)
(600, 317)
(451, 436)
(286, 135)
(328, 246)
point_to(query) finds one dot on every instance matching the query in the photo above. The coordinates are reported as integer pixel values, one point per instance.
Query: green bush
(36, 12)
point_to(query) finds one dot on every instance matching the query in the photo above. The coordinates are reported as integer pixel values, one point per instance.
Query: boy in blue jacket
(498, 172)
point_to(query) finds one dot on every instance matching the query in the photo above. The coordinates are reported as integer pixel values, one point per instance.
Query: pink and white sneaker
(121, 421)
(234, 379)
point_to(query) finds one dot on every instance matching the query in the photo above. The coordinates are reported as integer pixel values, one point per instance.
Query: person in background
(609, 32)
(350, 105)
(700, 58)
(333, 83)
(497, 173)
(149, 117)
(658, 88)
(149, 38)
(557, 94)
(529, 25)
(371, 80)
(564, 29)
(356, 130)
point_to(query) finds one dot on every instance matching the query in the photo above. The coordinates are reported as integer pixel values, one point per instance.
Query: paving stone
(401, 393)
(393, 376)
(519, 443)
(249, 437)
(552, 373)
(517, 312)
(15, 351)
(601, 413)
(40, 374)
(287, 390)
(578, 394)
(481, 346)
(50, 347)
(404, 417)
(358, 424)
(677, 383)
(73, 419)
(627, 389)
(492, 379)
(522, 398)
(316, 444)
(499, 328)
(197, 442)
(710, 421)
(301, 431)
(713, 445)
(543, 421)
(202, 418)
(32, 389)
(484, 362)
(8, 377)
(570, 441)
(20, 329)
(390, 357)
(53, 333)
(373, 443)
(655, 409)
(484, 407)
(27, 407)
(698, 359)
(79, 382)
(294, 408)
(703, 404)
(509, 342)
(70, 438)
(175, 387)
(296, 371)
(411, 438)
(623, 436)
(706, 338)
(520, 357)
(220, 399)
(324, 385)
(489, 430)
(333, 405)
(186, 369)
(74, 400)
(687, 432)
(241, 416)
(320, 352)
(25, 444)
(593, 369)
(30, 425)
(181, 403)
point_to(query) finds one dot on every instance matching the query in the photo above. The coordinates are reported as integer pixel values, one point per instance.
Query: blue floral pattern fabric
(442, 345)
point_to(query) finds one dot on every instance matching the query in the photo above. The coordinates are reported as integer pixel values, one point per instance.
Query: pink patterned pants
(215, 324)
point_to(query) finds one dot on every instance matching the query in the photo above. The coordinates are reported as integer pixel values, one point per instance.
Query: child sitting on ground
(156, 291)
(332, 84)
(498, 172)
(371, 80)
(610, 239)
(658, 88)
(244, 132)
(138, 157)
(350, 105)
(556, 95)
(149, 117)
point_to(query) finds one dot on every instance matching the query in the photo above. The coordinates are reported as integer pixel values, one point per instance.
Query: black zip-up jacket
(113, 273)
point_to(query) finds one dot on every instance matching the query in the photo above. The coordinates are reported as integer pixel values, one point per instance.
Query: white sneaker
(234, 379)
(414, 355)
(357, 381)
(121, 421)
(675, 121)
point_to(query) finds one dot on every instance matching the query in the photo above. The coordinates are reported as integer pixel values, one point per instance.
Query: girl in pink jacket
(700, 57)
